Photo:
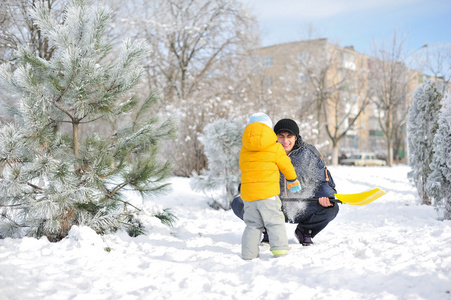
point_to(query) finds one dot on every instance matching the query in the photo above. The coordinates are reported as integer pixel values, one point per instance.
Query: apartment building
(330, 87)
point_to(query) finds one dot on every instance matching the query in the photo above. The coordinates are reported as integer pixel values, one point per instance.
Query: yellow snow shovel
(360, 198)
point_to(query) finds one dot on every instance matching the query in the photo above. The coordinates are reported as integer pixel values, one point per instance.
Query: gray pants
(265, 213)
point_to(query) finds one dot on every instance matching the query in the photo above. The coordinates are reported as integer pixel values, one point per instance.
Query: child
(261, 158)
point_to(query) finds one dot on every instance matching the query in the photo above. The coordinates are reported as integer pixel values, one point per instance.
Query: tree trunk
(335, 151)
(390, 138)
(390, 152)
(424, 196)
(318, 117)
(76, 139)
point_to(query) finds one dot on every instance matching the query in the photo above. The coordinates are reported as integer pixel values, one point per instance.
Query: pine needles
(70, 154)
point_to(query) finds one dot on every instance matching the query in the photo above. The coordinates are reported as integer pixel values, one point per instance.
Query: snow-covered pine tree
(51, 180)
(421, 127)
(222, 145)
(438, 184)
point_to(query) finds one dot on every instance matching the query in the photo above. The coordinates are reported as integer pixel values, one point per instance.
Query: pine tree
(438, 184)
(422, 125)
(222, 144)
(53, 175)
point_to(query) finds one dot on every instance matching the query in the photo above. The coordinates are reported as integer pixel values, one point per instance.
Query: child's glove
(294, 185)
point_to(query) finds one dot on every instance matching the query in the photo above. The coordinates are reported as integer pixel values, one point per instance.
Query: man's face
(287, 140)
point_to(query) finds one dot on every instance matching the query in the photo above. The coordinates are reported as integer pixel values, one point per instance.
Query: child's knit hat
(261, 118)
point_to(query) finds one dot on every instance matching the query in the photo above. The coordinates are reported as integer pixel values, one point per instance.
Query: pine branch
(34, 186)
(37, 129)
(120, 200)
(115, 190)
(90, 121)
(11, 205)
(5, 216)
(64, 111)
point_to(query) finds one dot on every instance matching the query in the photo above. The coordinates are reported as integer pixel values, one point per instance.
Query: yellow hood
(258, 136)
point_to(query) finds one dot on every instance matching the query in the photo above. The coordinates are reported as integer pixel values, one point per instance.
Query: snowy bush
(54, 175)
(222, 144)
(421, 127)
(438, 184)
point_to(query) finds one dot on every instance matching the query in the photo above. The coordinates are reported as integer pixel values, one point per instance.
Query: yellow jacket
(261, 158)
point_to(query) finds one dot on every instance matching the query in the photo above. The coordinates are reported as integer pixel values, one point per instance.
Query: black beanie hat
(287, 125)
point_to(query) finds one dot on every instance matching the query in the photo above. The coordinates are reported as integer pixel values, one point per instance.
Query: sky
(354, 22)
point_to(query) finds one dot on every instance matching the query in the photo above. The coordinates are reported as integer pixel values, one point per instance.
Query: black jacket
(312, 173)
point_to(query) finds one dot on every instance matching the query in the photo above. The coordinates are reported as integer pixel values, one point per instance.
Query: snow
(392, 248)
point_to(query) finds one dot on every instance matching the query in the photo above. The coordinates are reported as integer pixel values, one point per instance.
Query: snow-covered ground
(392, 248)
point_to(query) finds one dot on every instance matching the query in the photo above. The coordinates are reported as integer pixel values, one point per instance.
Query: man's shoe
(304, 236)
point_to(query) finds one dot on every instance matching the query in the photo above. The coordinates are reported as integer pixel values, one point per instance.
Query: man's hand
(324, 201)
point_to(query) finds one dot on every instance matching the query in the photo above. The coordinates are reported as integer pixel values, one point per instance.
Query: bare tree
(197, 47)
(337, 91)
(296, 74)
(391, 83)
(438, 62)
(346, 104)
(317, 66)
(17, 28)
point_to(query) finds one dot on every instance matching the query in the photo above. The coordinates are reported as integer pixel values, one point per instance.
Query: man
(316, 182)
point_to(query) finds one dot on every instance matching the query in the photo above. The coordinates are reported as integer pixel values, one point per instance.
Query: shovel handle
(332, 200)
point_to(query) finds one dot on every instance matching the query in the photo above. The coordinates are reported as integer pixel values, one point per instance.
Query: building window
(348, 61)
(376, 132)
(267, 61)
